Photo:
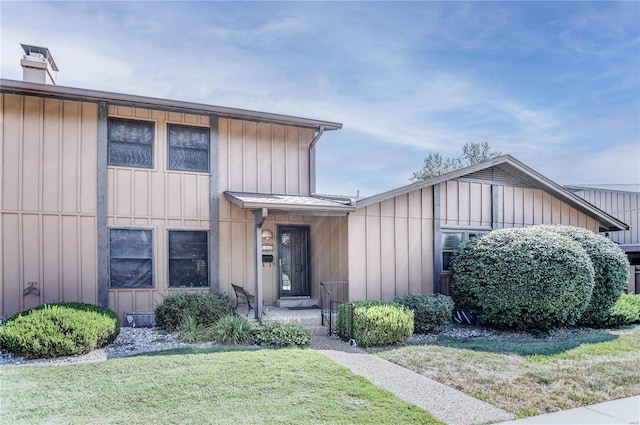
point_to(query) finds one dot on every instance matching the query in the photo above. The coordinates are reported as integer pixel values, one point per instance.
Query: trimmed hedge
(429, 310)
(276, 335)
(525, 278)
(611, 272)
(625, 311)
(205, 308)
(375, 323)
(59, 329)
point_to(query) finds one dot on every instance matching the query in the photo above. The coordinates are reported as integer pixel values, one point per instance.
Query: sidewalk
(445, 403)
(622, 411)
(455, 407)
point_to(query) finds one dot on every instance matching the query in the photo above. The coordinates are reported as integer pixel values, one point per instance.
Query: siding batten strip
(102, 200)
(495, 203)
(437, 240)
(214, 213)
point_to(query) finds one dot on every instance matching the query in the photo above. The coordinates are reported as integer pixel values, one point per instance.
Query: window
(131, 258)
(131, 143)
(451, 240)
(188, 148)
(188, 258)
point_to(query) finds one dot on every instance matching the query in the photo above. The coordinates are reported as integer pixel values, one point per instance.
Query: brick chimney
(38, 65)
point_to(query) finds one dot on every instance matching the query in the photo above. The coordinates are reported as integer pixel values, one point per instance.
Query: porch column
(259, 217)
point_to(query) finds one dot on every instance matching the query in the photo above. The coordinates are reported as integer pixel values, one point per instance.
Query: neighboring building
(117, 199)
(621, 201)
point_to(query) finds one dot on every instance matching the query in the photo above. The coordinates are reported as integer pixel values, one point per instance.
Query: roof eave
(283, 206)
(72, 93)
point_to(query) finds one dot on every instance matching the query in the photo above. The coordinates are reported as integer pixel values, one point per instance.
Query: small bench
(242, 293)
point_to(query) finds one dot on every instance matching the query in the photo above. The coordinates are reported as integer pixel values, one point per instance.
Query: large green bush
(375, 323)
(205, 308)
(429, 310)
(611, 270)
(525, 278)
(625, 311)
(60, 329)
(276, 335)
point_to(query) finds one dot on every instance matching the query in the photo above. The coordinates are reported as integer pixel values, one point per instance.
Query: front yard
(198, 386)
(529, 375)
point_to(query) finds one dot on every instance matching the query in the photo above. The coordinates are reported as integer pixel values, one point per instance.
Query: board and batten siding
(391, 247)
(48, 175)
(624, 206)
(158, 199)
(469, 205)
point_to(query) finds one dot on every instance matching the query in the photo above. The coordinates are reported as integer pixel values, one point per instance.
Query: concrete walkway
(445, 403)
(454, 407)
(623, 411)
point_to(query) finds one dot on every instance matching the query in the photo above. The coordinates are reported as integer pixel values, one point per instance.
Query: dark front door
(293, 261)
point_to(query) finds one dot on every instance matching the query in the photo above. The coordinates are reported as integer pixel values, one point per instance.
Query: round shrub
(60, 329)
(611, 270)
(429, 310)
(206, 308)
(276, 335)
(625, 311)
(526, 278)
(375, 322)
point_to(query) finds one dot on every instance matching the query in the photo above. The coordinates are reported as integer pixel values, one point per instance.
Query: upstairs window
(131, 143)
(188, 148)
(131, 258)
(188, 259)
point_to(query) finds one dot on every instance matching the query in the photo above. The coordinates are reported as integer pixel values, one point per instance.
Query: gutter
(312, 159)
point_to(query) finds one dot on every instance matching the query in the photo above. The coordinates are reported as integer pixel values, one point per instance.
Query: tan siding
(156, 198)
(397, 236)
(47, 201)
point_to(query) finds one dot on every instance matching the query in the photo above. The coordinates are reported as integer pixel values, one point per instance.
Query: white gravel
(130, 341)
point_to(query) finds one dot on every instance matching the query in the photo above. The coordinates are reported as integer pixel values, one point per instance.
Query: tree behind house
(435, 164)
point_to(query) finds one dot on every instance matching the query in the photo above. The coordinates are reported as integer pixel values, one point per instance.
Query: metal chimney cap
(28, 49)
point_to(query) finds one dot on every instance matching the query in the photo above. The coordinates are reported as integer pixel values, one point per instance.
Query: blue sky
(555, 84)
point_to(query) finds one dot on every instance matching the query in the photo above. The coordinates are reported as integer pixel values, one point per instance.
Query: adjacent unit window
(451, 240)
(188, 148)
(188, 258)
(131, 258)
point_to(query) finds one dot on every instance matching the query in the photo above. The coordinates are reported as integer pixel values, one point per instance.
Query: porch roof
(290, 203)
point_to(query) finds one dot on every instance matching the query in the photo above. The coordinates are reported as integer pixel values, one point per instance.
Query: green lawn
(533, 375)
(289, 386)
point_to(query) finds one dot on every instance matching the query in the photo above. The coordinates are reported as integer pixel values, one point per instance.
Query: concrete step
(296, 302)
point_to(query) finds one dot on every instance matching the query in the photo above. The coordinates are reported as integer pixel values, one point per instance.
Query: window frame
(467, 234)
(151, 259)
(149, 123)
(207, 151)
(207, 258)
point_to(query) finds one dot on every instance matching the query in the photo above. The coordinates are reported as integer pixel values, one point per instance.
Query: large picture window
(131, 258)
(188, 148)
(131, 143)
(188, 258)
(451, 240)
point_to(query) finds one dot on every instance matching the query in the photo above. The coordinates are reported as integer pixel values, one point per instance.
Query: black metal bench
(242, 293)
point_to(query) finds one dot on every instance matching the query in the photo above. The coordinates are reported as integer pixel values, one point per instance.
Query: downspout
(259, 217)
(312, 160)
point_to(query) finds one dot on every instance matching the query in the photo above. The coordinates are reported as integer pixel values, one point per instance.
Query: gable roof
(508, 170)
(72, 93)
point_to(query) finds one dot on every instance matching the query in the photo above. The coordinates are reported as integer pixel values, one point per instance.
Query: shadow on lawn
(198, 350)
(540, 344)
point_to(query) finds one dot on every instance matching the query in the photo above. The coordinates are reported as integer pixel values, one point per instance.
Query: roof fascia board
(72, 93)
(600, 189)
